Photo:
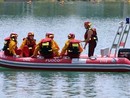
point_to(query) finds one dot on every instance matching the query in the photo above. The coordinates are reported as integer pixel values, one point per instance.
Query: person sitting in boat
(47, 47)
(55, 46)
(28, 45)
(6, 46)
(11, 46)
(72, 47)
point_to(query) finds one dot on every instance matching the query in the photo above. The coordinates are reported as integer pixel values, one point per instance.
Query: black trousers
(91, 47)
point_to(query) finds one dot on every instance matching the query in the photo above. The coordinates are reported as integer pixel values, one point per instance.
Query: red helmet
(94, 29)
(30, 34)
(86, 24)
(13, 35)
(71, 35)
(50, 35)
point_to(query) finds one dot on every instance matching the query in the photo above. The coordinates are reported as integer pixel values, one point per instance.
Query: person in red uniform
(55, 46)
(10, 46)
(72, 47)
(28, 45)
(47, 47)
(90, 38)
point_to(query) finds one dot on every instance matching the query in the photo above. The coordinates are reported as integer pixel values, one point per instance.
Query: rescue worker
(90, 38)
(47, 47)
(72, 47)
(28, 45)
(6, 46)
(55, 46)
(13, 50)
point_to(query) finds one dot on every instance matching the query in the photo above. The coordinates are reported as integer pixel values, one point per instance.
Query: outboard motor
(124, 52)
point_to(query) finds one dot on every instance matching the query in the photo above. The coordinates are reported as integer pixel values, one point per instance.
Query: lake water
(61, 19)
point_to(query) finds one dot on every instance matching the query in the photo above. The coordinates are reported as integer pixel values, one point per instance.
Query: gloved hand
(33, 56)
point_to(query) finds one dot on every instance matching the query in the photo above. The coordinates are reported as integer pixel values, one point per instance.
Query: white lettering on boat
(53, 60)
(78, 61)
(26, 59)
(103, 60)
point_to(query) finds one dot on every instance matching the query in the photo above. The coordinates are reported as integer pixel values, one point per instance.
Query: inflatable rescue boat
(83, 63)
(104, 62)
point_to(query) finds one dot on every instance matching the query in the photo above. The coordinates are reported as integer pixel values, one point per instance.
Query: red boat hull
(66, 64)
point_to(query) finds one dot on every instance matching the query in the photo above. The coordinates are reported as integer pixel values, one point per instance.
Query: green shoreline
(66, 0)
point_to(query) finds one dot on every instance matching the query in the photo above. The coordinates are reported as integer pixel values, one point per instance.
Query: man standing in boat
(90, 38)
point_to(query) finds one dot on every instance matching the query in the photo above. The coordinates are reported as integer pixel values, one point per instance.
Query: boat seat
(104, 52)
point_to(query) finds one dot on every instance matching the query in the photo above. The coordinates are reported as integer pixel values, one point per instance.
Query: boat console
(124, 52)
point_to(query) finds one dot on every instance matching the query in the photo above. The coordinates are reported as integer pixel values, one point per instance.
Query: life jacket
(30, 43)
(46, 47)
(6, 44)
(94, 35)
(73, 48)
(13, 39)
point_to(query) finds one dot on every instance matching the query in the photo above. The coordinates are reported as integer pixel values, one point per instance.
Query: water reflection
(64, 85)
(9, 84)
(34, 84)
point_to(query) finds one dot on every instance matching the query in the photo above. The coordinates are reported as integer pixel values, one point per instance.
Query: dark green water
(60, 19)
(64, 84)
